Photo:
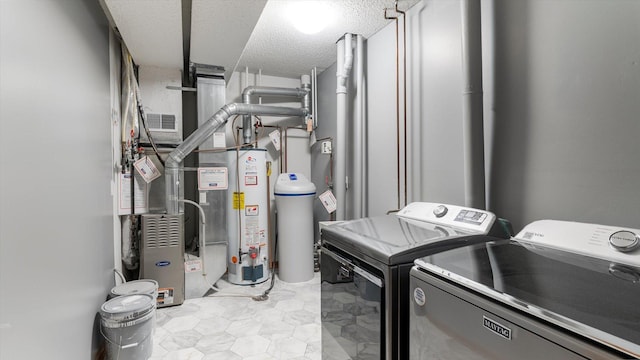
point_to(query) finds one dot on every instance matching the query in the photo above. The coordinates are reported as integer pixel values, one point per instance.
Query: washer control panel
(474, 220)
(619, 245)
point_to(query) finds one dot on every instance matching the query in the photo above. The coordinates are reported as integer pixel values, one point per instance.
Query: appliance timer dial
(624, 241)
(440, 211)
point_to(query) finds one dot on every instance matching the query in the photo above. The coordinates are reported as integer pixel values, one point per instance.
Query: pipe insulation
(472, 118)
(204, 132)
(250, 91)
(343, 66)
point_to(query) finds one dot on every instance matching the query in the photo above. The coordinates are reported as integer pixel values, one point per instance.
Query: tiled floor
(286, 326)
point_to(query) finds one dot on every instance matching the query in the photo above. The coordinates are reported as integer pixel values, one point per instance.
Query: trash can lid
(143, 286)
(294, 184)
(127, 307)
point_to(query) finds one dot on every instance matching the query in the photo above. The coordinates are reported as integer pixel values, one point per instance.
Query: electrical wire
(143, 118)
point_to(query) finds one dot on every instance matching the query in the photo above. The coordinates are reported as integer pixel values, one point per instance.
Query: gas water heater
(247, 214)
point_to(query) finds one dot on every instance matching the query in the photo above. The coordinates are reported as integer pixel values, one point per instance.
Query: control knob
(440, 211)
(624, 241)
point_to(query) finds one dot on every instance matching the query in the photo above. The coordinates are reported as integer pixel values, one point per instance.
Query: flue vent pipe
(472, 120)
(204, 132)
(343, 68)
(268, 91)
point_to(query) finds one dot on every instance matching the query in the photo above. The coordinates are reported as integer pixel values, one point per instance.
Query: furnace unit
(162, 256)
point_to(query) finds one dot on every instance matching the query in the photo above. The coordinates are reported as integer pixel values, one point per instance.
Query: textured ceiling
(239, 34)
(151, 29)
(278, 48)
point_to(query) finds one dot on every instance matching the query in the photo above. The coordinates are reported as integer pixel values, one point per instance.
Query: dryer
(557, 290)
(365, 267)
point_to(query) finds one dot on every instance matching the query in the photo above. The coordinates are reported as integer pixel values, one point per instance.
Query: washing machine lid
(418, 229)
(392, 239)
(592, 297)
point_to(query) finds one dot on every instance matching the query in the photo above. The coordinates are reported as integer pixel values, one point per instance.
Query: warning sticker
(147, 169)
(192, 266)
(275, 139)
(328, 201)
(251, 210)
(212, 178)
(251, 180)
(238, 200)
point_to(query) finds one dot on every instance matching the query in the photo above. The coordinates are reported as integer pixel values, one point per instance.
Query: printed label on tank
(252, 230)
(496, 328)
(251, 210)
(419, 297)
(238, 200)
(251, 180)
(250, 164)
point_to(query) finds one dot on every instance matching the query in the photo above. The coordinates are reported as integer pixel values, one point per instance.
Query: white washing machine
(557, 290)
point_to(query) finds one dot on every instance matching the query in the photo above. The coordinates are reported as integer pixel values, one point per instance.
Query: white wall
(56, 224)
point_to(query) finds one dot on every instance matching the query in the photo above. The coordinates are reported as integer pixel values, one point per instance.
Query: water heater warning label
(238, 200)
(251, 210)
(251, 180)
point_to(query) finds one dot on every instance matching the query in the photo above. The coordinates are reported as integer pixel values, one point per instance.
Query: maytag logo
(496, 328)
(163, 263)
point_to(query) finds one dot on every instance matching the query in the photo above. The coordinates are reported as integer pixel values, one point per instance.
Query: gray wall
(562, 91)
(56, 214)
(567, 111)
(320, 163)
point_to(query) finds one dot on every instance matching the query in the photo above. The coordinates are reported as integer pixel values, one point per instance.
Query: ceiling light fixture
(309, 17)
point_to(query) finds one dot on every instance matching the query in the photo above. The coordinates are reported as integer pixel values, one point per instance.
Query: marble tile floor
(286, 326)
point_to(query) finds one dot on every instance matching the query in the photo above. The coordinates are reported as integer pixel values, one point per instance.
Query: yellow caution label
(238, 200)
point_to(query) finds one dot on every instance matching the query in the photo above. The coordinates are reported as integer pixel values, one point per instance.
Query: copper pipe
(404, 70)
(330, 157)
(397, 101)
(271, 253)
(404, 95)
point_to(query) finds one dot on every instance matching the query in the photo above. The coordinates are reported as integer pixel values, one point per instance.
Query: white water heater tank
(247, 215)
